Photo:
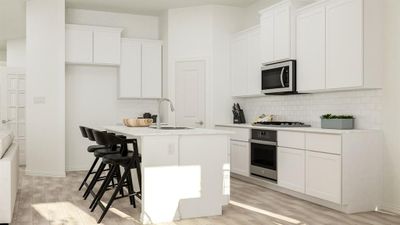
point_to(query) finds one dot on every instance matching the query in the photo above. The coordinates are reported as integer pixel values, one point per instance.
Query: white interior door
(13, 106)
(3, 96)
(190, 93)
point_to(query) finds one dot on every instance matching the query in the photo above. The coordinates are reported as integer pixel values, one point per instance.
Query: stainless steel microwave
(279, 78)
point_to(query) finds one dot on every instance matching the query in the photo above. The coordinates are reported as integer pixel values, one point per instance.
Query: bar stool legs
(89, 173)
(113, 197)
(94, 180)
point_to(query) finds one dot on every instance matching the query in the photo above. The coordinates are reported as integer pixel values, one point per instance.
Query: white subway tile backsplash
(365, 105)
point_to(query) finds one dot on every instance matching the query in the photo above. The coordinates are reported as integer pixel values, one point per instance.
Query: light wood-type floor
(56, 201)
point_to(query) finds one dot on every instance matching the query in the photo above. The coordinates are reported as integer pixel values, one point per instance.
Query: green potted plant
(342, 122)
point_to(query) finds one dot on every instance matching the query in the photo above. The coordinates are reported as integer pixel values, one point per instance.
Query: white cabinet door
(253, 63)
(323, 176)
(151, 69)
(291, 169)
(311, 50)
(106, 47)
(267, 37)
(130, 70)
(78, 46)
(240, 158)
(344, 47)
(282, 33)
(239, 66)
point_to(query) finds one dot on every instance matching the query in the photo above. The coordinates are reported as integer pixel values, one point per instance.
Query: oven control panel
(264, 135)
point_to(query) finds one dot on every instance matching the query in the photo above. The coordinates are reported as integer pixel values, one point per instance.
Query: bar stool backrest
(89, 132)
(83, 131)
(101, 137)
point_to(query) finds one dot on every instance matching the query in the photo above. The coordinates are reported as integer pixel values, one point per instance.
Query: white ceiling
(12, 20)
(12, 12)
(147, 7)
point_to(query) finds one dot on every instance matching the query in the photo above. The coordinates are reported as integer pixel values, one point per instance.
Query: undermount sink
(172, 128)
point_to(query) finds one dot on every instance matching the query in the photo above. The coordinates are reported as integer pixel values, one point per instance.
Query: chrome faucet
(159, 109)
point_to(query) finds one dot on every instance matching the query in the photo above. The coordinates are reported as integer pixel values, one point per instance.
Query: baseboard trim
(44, 174)
(77, 169)
(390, 208)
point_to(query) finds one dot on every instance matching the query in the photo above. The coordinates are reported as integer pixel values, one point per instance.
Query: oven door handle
(283, 70)
(263, 142)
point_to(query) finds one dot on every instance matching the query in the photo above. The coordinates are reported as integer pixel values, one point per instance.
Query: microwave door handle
(283, 70)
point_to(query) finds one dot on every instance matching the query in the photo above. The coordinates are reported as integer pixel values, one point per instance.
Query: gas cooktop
(281, 124)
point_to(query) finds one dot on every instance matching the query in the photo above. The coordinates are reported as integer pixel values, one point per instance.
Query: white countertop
(146, 131)
(298, 129)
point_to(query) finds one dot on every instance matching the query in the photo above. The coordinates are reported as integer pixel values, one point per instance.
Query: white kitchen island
(185, 173)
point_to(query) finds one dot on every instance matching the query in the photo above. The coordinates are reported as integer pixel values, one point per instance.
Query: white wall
(186, 43)
(391, 107)
(16, 52)
(208, 42)
(91, 100)
(226, 22)
(45, 87)
(251, 15)
(91, 93)
(135, 26)
(164, 37)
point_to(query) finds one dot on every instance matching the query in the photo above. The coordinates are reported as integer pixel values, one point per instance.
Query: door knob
(200, 122)
(5, 121)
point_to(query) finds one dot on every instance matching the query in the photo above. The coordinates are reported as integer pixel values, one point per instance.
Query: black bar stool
(112, 149)
(90, 149)
(128, 160)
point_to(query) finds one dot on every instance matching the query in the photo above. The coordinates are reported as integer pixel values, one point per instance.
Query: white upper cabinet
(239, 65)
(339, 45)
(107, 47)
(246, 63)
(130, 71)
(151, 69)
(92, 45)
(254, 62)
(344, 44)
(311, 49)
(278, 28)
(140, 74)
(282, 32)
(267, 37)
(78, 45)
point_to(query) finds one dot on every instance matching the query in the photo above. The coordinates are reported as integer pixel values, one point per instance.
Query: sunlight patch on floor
(64, 213)
(124, 215)
(265, 212)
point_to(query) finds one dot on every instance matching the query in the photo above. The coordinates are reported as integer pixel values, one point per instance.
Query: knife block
(238, 116)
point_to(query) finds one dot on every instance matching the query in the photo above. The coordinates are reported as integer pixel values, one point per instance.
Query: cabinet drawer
(239, 134)
(291, 139)
(328, 143)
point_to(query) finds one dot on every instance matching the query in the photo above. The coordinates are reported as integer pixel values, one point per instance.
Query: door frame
(208, 90)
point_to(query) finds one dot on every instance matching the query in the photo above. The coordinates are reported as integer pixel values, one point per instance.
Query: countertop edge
(137, 132)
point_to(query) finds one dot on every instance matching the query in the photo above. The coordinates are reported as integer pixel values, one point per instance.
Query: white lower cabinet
(240, 158)
(291, 169)
(311, 163)
(323, 176)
